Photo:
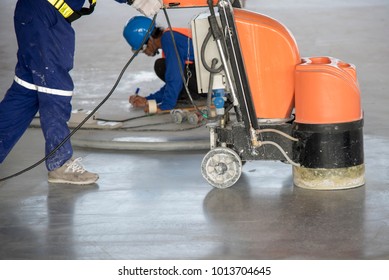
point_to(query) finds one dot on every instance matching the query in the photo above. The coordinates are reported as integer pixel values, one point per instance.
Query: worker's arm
(167, 96)
(164, 98)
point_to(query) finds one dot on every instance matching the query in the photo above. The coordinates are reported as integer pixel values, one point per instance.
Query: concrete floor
(156, 205)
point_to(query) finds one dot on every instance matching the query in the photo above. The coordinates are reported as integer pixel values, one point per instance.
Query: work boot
(72, 172)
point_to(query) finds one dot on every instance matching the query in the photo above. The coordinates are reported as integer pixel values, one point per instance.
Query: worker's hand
(138, 101)
(147, 7)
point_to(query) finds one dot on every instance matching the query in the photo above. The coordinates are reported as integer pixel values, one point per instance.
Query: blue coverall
(46, 43)
(167, 96)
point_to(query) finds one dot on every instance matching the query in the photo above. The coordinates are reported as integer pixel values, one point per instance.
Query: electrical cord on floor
(106, 120)
(135, 128)
(91, 113)
(125, 120)
(132, 118)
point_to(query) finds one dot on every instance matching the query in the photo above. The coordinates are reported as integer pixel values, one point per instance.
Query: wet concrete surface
(155, 204)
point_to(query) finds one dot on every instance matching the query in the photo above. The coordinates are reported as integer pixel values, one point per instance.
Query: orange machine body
(187, 3)
(322, 90)
(327, 91)
(270, 55)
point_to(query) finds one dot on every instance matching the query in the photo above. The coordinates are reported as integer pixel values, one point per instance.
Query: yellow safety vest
(68, 13)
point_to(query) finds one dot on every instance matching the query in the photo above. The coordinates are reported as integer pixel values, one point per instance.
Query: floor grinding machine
(273, 104)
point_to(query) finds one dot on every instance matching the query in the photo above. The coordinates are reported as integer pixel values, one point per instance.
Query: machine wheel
(221, 167)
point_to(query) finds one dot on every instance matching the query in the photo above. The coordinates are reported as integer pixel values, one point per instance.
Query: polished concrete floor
(156, 205)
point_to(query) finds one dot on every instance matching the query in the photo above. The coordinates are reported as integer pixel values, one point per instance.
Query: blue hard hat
(136, 29)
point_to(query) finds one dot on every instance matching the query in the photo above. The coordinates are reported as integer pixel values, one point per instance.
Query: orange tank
(327, 91)
(270, 54)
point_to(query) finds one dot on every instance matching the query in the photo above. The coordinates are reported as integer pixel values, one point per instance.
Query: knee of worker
(54, 108)
(160, 68)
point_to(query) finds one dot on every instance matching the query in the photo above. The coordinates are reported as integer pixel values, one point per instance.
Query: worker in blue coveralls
(167, 67)
(46, 45)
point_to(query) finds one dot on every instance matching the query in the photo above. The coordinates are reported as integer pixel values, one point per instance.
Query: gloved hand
(148, 7)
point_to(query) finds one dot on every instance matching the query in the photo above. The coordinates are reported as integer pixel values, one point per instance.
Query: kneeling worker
(167, 67)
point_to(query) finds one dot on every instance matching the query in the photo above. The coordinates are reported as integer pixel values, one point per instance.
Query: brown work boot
(72, 172)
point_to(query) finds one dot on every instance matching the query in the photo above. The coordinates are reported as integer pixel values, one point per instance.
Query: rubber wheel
(221, 167)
